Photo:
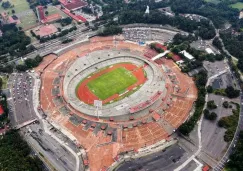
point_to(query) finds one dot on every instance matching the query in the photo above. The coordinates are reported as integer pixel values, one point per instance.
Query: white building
(187, 55)
(209, 51)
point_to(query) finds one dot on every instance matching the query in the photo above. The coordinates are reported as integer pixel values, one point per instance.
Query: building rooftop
(74, 4)
(45, 30)
(187, 55)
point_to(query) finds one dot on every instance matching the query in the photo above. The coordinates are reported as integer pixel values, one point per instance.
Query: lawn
(111, 83)
(28, 20)
(213, 1)
(238, 5)
(19, 6)
(4, 82)
(54, 10)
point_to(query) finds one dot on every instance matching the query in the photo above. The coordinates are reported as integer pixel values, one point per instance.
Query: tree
(110, 30)
(225, 104)
(210, 89)
(217, 43)
(46, 12)
(236, 158)
(15, 154)
(211, 105)
(6, 4)
(209, 116)
(231, 92)
(13, 11)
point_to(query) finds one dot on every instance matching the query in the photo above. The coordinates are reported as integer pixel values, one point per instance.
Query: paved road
(56, 44)
(54, 153)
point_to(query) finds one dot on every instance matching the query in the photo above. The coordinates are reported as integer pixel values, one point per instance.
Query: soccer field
(111, 83)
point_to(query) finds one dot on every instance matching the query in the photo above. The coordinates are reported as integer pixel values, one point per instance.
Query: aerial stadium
(114, 97)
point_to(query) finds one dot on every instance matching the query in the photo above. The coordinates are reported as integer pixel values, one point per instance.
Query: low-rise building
(209, 51)
(187, 55)
(45, 30)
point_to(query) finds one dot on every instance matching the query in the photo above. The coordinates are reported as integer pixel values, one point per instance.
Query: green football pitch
(111, 83)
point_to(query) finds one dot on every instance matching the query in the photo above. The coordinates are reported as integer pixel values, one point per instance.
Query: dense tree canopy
(110, 30)
(15, 154)
(14, 42)
(230, 123)
(218, 13)
(231, 92)
(189, 125)
(236, 158)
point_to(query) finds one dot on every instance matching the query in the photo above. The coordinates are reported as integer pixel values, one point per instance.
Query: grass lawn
(213, 1)
(54, 10)
(19, 6)
(238, 5)
(4, 82)
(111, 83)
(28, 20)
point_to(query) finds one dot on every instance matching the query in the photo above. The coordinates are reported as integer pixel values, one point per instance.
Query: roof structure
(209, 51)
(176, 57)
(156, 116)
(73, 5)
(75, 17)
(45, 30)
(187, 55)
(40, 13)
(1, 110)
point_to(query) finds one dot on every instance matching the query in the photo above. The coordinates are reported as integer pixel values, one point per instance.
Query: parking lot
(215, 67)
(20, 101)
(141, 34)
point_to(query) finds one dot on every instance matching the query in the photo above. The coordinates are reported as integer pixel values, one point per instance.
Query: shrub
(226, 104)
(211, 104)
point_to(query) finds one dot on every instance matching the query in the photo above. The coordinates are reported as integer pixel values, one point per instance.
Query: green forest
(15, 154)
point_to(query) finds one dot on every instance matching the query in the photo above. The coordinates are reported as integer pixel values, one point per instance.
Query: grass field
(28, 20)
(4, 82)
(111, 83)
(238, 5)
(213, 1)
(19, 6)
(54, 10)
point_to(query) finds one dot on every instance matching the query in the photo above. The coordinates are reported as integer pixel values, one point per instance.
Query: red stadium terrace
(145, 117)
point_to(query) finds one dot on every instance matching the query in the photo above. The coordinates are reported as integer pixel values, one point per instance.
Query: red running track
(87, 96)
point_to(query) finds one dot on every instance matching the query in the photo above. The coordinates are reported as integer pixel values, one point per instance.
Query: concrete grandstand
(145, 117)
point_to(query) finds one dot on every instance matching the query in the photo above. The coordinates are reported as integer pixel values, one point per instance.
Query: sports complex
(113, 97)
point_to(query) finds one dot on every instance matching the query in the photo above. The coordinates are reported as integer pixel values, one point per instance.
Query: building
(187, 55)
(209, 51)
(6, 19)
(40, 13)
(45, 31)
(46, 19)
(73, 4)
